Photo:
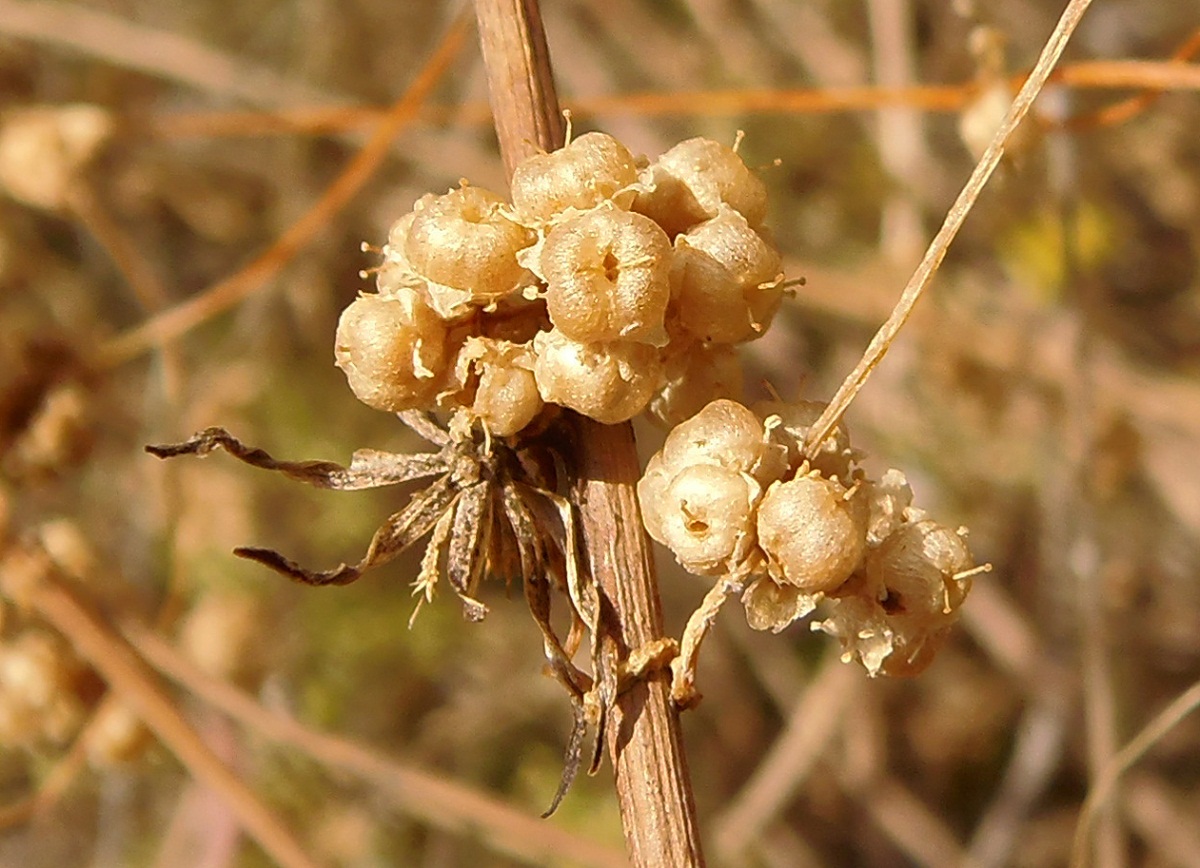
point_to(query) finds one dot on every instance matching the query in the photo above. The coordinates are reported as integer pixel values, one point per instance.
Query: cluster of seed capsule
(608, 285)
(732, 495)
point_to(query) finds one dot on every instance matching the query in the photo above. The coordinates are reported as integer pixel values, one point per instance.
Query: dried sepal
(369, 468)
(395, 535)
(468, 547)
(771, 605)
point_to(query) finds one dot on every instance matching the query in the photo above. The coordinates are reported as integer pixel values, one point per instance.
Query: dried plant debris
(488, 503)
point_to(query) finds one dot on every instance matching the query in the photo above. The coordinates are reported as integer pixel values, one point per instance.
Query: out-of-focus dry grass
(1046, 395)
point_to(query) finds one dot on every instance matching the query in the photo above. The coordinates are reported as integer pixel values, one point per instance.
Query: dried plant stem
(922, 277)
(128, 677)
(644, 738)
(1105, 783)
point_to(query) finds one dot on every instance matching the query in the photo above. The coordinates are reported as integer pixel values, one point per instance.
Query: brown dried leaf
(468, 547)
(369, 468)
(399, 532)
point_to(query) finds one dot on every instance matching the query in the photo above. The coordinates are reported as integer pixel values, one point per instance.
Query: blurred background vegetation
(1045, 395)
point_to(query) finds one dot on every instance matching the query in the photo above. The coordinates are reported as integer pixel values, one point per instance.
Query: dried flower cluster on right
(733, 496)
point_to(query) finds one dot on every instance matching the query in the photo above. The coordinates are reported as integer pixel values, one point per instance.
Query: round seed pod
(915, 566)
(690, 182)
(116, 736)
(694, 376)
(463, 240)
(814, 536)
(39, 700)
(728, 279)
(607, 277)
(581, 175)
(706, 518)
(609, 382)
(500, 376)
(392, 350)
(726, 434)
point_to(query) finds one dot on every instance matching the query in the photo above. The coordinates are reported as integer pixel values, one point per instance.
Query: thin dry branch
(175, 322)
(433, 799)
(125, 673)
(922, 277)
(1104, 783)
(131, 45)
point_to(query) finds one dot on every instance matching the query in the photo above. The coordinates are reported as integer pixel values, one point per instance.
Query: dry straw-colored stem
(957, 215)
(433, 799)
(644, 737)
(128, 677)
(172, 323)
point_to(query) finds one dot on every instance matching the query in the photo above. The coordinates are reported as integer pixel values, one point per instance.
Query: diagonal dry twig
(431, 798)
(957, 215)
(173, 323)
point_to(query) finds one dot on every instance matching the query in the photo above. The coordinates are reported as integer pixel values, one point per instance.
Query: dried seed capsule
(916, 566)
(726, 434)
(690, 182)
(500, 375)
(464, 241)
(705, 516)
(392, 350)
(39, 701)
(609, 382)
(581, 175)
(728, 279)
(43, 150)
(695, 375)
(607, 277)
(813, 532)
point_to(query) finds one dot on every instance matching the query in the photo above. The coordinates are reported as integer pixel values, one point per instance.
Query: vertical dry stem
(644, 738)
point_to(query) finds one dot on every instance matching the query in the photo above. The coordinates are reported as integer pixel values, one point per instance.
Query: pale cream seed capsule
(607, 277)
(728, 279)
(813, 534)
(392, 351)
(707, 518)
(690, 182)
(727, 434)
(609, 382)
(589, 170)
(916, 566)
(463, 240)
(500, 376)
